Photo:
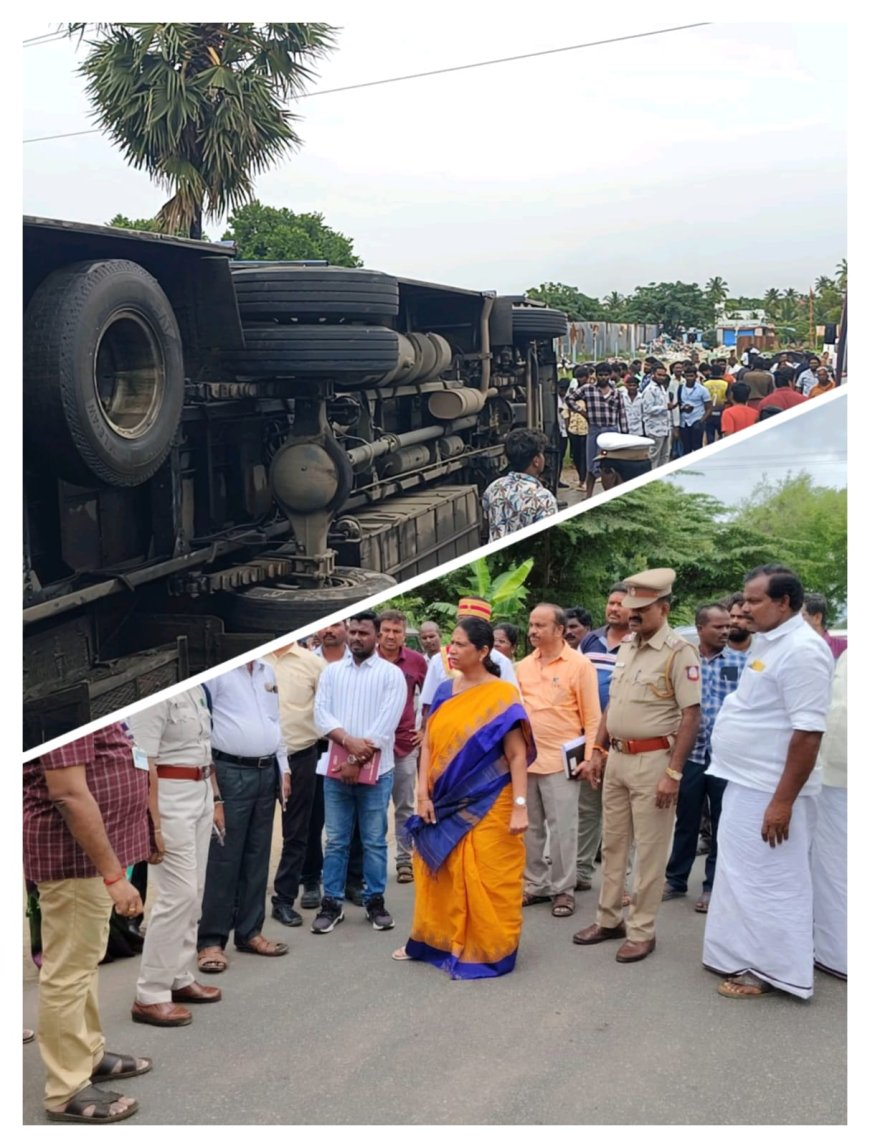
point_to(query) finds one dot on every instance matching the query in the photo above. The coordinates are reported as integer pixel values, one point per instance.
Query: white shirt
(786, 686)
(176, 731)
(436, 674)
(832, 751)
(365, 699)
(245, 714)
(805, 381)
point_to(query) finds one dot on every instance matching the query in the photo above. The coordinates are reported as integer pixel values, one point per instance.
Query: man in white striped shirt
(358, 706)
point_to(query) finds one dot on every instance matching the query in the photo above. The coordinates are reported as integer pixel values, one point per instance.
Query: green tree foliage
(262, 232)
(807, 526)
(201, 107)
(144, 225)
(710, 546)
(716, 290)
(572, 301)
(671, 305)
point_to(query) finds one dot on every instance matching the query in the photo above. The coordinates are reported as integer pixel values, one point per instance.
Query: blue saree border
(458, 969)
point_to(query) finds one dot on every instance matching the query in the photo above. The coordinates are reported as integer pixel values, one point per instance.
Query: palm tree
(823, 283)
(772, 299)
(717, 290)
(790, 304)
(842, 276)
(613, 304)
(201, 107)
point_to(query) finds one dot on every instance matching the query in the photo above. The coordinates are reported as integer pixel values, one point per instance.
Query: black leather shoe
(312, 896)
(287, 915)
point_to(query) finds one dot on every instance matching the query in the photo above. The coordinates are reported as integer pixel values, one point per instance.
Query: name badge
(140, 758)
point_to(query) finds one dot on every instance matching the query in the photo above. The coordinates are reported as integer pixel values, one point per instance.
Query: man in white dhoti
(828, 859)
(765, 743)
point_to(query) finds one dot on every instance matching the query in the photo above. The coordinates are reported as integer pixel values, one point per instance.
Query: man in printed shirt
(560, 693)
(297, 673)
(85, 822)
(657, 418)
(720, 672)
(358, 707)
(519, 498)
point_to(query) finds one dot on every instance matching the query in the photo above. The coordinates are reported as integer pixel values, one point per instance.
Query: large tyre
(103, 373)
(349, 354)
(283, 291)
(539, 323)
(280, 609)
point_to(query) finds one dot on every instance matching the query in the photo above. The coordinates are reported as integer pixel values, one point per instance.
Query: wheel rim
(129, 375)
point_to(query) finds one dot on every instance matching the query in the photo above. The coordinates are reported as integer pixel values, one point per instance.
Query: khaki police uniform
(653, 682)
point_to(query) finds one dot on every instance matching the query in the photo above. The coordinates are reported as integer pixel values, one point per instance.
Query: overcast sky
(814, 442)
(715, 151)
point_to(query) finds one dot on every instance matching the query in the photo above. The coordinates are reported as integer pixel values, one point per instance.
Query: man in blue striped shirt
(358, 706)
(721, 668)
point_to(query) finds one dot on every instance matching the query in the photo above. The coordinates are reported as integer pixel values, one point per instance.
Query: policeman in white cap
(645, 736)
(622, 457)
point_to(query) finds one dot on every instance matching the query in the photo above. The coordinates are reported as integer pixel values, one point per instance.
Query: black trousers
(578, 454)
(312, 866)
(692, 437)
(696, 785)
(294, 826)
(234, 900)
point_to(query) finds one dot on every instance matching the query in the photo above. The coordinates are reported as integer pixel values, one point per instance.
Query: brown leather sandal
(563, 905)
(211, 960)
(262, 947)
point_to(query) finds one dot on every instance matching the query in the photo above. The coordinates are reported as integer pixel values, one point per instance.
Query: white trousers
(186, 818)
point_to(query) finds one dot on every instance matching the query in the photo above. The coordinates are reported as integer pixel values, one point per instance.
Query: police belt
(184, 772)
(639, 745)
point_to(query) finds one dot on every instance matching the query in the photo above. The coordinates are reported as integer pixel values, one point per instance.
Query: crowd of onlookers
(333, 733)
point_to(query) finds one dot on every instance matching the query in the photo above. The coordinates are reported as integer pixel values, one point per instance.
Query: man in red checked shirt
(85, 821)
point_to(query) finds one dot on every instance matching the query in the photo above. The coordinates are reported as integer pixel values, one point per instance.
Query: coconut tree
(772, 299)
(613, 304)
(200, 107)
(842, 276)
(716, 290)
(823, 283)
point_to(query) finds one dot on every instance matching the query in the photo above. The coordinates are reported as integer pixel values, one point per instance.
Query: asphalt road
(337, 1033)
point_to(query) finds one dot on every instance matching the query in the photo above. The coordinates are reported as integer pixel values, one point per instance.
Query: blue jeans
(368, 803)
(696, 785)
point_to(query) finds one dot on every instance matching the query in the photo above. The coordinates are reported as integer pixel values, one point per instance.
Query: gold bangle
(601, 749)
(673, 775)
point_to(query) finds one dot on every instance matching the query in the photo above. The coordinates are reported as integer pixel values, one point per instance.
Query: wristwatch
(520, 801)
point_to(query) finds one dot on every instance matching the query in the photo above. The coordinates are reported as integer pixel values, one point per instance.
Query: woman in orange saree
(468, 847)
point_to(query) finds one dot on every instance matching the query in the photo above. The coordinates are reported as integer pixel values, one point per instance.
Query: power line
(441, 71)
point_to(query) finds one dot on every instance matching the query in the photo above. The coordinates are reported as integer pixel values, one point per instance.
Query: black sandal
(108, 1068)
(100, 1100)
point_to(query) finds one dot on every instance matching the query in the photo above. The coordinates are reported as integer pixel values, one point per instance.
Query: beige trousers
(630, 814)
(75, 930)
(552, 804)
(168, 956)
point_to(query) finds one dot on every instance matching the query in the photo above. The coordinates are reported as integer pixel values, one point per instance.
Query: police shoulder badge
(693, 673)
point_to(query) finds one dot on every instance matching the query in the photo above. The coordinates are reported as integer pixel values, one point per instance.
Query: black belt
(254, 762)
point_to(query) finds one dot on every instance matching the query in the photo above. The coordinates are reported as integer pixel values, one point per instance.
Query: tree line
(709, 545)
(688, 305)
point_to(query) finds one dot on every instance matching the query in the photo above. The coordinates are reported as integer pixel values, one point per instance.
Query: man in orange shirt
(560, 692)
(739, 416)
